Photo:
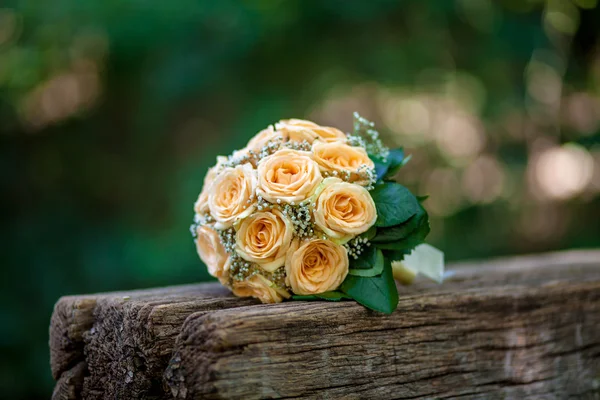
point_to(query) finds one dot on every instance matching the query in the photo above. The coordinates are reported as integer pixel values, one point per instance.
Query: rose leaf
(402, 231)
(387, 169)
(366, 260)
(378, 293)
(408, 243)
(370, 265)
(395, 204)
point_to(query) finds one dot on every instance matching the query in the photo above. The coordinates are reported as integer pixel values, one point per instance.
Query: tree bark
(509, 328)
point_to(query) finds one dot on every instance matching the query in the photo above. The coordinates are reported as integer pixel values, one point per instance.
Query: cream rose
(316, 266)
(337, 157)
(201, 205)
(343, 210)
(212, 253)
(288, 175)
(261, 288)
(264, 238)
(298, 130)
(232, 195)
(264, 137)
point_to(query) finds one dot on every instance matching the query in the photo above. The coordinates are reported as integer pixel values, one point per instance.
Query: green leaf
(305, 297)
(388, 168)
(329, 296)
(396, 160)
(366, 260)
(407, 244)
(381, 167)
(370, 234)
(378, 293)
(333, 296)
(395, 204)
(395, 255)
(401, 231)
(369, 266)
(397, 232)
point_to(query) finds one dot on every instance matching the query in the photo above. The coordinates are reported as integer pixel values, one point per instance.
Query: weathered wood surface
(523, 327)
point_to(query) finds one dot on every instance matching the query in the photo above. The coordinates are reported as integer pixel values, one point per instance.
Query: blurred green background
(111, 111)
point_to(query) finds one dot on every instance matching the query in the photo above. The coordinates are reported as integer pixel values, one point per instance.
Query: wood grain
(522, 327)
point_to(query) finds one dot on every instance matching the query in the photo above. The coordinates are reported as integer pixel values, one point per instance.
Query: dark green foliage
(395, 204)
(370, 265)
(395, 160)
(404, 237)
(366, 259)
(378, 293)
(402, 224)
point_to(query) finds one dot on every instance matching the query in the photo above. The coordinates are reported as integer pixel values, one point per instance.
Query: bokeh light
(562, 172)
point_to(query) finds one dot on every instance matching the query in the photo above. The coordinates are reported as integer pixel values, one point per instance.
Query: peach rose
(212, 253)
(264, 238)
(338, 157)
(343, 210)
(298, 130)
(316, 266)
(288, 175)
(261, 288)
(201, 205)
(264, 137)
(232, 195)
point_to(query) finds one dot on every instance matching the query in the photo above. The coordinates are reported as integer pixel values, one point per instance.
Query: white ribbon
(424, 259)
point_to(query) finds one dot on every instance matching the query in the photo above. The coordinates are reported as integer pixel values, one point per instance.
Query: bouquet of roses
(307, 212)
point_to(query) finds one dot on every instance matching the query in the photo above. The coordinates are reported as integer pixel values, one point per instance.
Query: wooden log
(509, 328)
(125, 339)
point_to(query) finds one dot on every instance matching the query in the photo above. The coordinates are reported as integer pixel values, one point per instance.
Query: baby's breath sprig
(303, 145)
(203, 219)
(227, 237)
(364, 176)
(241, 269)
(199, 220)
(271, 147)
(366, 136)
(194, 228)
(369, 175)
(278, 277)
(262, 204)
(301, 216)
(356, 141)
(238, 158)
(356, 246)
(344, 175)
(252, 156)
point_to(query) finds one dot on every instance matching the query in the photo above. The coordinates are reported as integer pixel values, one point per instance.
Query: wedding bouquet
(307, 212)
